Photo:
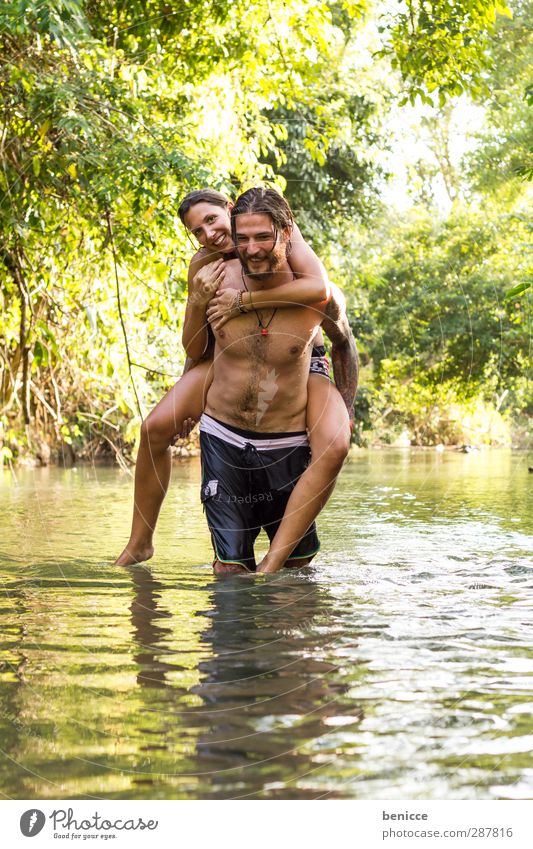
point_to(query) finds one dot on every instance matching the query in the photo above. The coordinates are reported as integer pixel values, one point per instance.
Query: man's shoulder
(233, 274)
(336, 303)
(321, 307)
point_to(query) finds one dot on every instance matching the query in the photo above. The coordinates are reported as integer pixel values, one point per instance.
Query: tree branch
(119, 303)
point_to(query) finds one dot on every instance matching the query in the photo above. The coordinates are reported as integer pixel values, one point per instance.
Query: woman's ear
(230, 205)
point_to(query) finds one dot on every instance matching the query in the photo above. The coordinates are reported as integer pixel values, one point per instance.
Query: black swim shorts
(319, 361)
(247, 479)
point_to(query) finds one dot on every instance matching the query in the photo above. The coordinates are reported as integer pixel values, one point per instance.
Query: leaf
(501, 9)
(43, 129)
(40, 355)
(148, 213)
(518, 290)
(6, 453)
(160, 271)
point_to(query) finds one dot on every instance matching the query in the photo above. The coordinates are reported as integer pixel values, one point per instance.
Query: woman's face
(210, 224)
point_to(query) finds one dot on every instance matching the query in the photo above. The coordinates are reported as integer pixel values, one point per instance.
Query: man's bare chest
(274, 336)
(277, 337)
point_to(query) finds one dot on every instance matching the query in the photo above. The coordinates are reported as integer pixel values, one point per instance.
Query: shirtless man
(252, 434)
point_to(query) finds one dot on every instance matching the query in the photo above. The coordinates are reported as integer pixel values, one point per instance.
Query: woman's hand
(186, 426)
(223, 307)
(206, 281)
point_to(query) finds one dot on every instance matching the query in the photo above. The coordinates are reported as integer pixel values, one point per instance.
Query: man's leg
(228, 511)
(283, 471)
(222, 569)
(329, 437)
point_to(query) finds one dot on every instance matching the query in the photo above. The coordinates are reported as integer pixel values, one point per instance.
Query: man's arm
(343, 349)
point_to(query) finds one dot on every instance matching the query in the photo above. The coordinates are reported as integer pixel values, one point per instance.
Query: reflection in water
(147, 632)
(397, 666)
(268, 687)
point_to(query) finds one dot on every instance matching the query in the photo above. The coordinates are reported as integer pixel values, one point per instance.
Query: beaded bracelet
(240, 305)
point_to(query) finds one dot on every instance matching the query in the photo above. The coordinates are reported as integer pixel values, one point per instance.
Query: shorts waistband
(261, 441)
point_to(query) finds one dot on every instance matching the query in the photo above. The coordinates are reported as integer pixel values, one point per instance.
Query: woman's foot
(133, 554)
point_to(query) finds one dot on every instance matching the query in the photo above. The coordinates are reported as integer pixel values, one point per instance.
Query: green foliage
(504, 156)
(427, 299)
(446, 344)
(414, 410)
(327, 176)
(111, 114)
(442, 49)
(112, 111)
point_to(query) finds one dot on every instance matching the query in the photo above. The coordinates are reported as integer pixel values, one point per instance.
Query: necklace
(263, 327)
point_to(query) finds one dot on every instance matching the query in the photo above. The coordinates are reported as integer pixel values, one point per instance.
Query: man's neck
(269, 281)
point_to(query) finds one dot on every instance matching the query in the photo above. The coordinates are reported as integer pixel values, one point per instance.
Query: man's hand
(223, 307)
(205, 282)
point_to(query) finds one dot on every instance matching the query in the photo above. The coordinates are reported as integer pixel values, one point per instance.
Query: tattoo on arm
(343, 351)
(346, 371)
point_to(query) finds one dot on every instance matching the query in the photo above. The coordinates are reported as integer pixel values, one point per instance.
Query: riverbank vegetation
(111, 112)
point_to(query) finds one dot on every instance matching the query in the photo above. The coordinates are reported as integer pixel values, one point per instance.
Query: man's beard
(275, 262)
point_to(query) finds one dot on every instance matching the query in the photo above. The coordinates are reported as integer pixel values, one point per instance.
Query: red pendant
(264, 331)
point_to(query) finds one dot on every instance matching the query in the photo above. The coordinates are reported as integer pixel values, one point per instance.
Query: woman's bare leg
(329, 438)
(152, 471)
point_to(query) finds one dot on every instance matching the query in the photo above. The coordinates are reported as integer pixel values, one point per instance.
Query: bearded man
(253, 439)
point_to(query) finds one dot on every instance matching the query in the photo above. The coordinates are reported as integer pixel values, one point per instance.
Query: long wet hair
(201, 196)
(263, 202)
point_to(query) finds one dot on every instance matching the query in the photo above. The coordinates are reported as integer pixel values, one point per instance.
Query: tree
(437, 328)
(442, 49)
(504, 155)
(111, 112)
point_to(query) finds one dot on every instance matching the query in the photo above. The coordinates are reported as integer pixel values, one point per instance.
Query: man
(252, 434)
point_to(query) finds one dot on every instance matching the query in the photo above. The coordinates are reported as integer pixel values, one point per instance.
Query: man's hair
(201, 196)
(263, 202)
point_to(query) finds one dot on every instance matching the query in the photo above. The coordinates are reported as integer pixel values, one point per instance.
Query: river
(397, 666)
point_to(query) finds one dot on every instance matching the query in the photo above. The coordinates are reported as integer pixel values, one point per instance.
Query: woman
(206, 214)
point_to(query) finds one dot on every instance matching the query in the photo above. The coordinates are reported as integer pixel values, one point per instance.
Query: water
(398, 666)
